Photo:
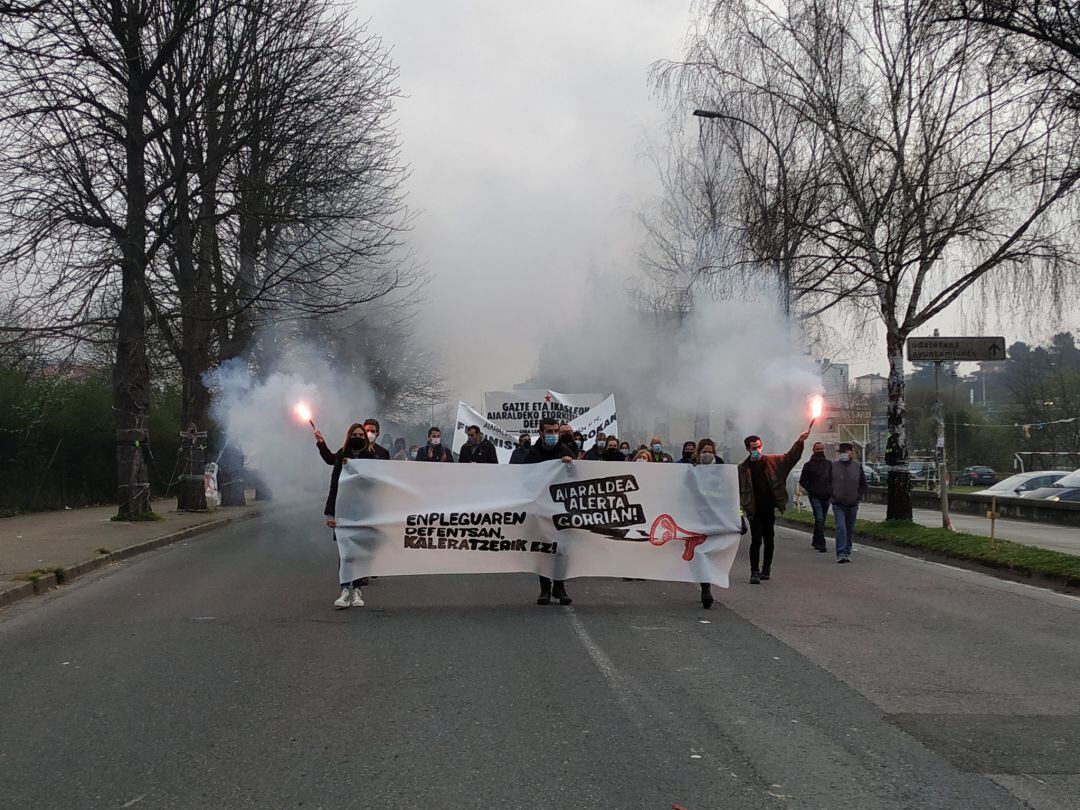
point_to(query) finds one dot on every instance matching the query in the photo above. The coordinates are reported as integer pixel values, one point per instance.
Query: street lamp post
(783, 272)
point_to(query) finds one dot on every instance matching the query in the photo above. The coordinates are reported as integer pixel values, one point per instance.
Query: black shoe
(544, 598)
(562, 596)
(822, 549)
(765, 574)
(842, 560)
(816, 547)
(706, 597)
(363, 582)
(755, 578)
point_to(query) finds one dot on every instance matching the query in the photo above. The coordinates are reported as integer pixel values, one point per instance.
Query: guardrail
(1062, 513)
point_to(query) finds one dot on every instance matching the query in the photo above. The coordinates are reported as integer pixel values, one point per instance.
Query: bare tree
(78, 205)
(943, 171)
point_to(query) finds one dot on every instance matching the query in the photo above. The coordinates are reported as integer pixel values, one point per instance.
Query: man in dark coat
(848, 488)
(816, 481)
(371, 428)
(763, 490)
(522, 449)
(478, 449)
(434, 450)
(549, 448)
(596, 452)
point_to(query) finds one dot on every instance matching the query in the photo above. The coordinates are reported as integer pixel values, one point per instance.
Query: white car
(1021, 485)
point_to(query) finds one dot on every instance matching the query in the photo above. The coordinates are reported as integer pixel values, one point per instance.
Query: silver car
(1021, 485)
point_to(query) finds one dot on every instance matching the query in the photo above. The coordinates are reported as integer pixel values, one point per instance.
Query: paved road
(1044, 535)
(215, 674)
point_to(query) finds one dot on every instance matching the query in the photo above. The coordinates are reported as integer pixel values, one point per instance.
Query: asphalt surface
(215, 673)
(1044, 535)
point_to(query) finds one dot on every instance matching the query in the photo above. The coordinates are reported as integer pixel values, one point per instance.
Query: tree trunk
(131, 376)
(899, 501)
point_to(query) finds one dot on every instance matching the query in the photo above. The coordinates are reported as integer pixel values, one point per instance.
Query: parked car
(1021, 485)
(975, 476)
(1066, 488)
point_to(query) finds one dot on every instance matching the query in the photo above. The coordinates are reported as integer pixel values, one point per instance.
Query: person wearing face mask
(356, 446)
(434, 449)
(848, 489)
(612, 451)
(644, 454)
(371, 427)
(705, 455)
(477, 450)
(596, 452)
(689, 449)
(522, 449)
(550, 448)
(624, 448)
(400, 453)
(763, 490)
(656, 447)
(816, 481)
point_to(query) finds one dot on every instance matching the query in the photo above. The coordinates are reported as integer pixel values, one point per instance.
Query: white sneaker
(357, 600)
(343, 601)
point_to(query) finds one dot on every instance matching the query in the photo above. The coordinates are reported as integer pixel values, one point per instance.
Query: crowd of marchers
(839, 483)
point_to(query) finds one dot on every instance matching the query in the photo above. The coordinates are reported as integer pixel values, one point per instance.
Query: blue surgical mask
(551, 440)
(657, 447)
(845, 456)
(755, 455)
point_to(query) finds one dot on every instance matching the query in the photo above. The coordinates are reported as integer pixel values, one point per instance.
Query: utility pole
(939, 417)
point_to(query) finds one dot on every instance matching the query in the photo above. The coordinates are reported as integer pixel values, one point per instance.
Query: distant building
(871, 385)
(834, 378)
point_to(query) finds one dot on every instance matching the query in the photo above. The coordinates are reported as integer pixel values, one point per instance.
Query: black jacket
(613, 455)
(540, 452)
(483, 453)
(816, 477)
(330, 457)
(595, 453)
(339, 460)
(429, 453)
(519, 454)
(380, 452)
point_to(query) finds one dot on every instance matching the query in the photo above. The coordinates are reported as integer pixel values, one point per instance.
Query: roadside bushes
(57, 444)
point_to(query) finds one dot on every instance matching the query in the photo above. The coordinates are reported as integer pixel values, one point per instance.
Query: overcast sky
(525, 125)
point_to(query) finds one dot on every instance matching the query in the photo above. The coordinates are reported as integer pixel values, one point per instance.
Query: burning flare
(303, 413)
(815, 410)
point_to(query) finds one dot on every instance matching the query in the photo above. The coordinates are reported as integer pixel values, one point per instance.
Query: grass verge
(1001, 554)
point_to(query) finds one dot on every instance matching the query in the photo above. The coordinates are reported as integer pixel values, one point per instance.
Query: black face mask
(357, 443)
(819, 454)
(687, 454)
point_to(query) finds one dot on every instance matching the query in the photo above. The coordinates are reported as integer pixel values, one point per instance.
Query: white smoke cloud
(256, 414)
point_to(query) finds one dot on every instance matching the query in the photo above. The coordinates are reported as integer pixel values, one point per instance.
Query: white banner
(674, 522)
(515, 411)
(504, 442)
(602, 418)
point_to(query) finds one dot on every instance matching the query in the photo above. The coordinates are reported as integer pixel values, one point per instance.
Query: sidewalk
(38, 550)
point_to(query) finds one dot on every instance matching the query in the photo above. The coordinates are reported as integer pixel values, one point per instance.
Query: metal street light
(782, 271)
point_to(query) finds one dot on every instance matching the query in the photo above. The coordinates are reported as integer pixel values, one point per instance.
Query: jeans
(821, 510)
(845, 528)
(762, 531)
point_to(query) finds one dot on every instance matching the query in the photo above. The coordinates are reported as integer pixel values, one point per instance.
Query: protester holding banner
(434, 449)
(644, 454)
(624, 448)
(612, 451)
(357, 445)
(705, 454)
(763, 490)
(477, 449)
(400, 454)
(549, 448)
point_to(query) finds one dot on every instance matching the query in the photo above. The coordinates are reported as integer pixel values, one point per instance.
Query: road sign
(955, 349)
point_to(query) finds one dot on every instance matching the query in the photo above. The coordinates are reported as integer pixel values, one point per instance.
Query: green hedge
(56, 440)
(1004, 554)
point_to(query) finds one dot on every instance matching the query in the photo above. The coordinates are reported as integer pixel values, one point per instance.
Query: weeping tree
(943, 171)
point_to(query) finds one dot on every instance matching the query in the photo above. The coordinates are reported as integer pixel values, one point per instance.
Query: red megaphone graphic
(665, 528)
